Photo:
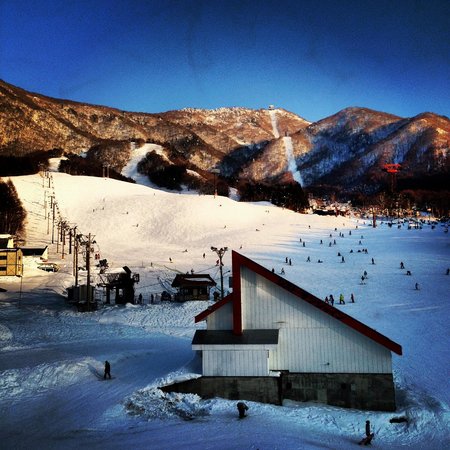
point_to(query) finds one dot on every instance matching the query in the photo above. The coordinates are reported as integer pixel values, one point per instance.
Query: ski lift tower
(220, 252)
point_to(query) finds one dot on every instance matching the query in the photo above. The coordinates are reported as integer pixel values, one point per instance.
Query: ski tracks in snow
(292, 165)
(287, 142)
(273, 119)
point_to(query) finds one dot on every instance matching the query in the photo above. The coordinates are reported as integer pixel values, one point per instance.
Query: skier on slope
(107, 370)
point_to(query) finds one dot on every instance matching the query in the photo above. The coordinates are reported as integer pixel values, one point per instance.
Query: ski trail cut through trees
(273, 118)
(292, 165)
(138, 154)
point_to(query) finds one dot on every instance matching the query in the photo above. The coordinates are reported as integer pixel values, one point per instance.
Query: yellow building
(11, 262)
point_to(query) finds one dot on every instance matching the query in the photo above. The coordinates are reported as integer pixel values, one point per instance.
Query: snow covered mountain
(344, 152)
(347, 151)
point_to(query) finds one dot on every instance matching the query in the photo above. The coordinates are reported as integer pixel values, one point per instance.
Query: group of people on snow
(329, 300)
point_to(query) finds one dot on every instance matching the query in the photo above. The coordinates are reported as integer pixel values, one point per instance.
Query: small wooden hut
(193, 286)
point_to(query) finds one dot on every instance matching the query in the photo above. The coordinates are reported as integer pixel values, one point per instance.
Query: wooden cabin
(11, 262)
(193, 287)
(271, 340)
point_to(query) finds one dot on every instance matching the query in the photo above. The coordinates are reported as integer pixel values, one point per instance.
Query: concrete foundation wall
(360, 391)
(257, 389)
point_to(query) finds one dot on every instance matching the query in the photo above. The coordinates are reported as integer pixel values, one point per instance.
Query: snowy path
(53, 384)
(287, 142)
(137, 154)
(292, 165)
(273, 119)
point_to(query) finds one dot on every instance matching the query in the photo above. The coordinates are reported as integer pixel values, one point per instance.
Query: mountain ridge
(345, 151)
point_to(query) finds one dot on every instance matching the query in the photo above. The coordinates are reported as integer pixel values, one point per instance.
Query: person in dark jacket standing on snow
(107, 370)
(369, 435)
(242, 407)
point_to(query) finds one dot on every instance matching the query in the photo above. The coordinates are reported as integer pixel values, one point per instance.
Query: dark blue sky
(311, 57)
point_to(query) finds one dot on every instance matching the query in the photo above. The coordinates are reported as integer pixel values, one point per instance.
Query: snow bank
(152, 403)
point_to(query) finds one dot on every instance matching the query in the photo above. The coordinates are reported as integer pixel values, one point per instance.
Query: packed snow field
(52, 392)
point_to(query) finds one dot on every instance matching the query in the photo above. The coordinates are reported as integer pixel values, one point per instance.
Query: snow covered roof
(239, 260)
(193, 280)
(33, 251)
(6, 241)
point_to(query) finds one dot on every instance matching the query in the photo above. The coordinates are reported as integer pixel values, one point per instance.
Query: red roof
(204, 314)
(239, 260)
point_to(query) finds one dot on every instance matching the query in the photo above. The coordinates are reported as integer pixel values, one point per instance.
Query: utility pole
(70, 241)
(220, 252)
(57, 237)
(53, 221)
(63, 232)
(75, 257)
(21, 284)
(88, 269)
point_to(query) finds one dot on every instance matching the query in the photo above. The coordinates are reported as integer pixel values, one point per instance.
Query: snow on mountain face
(292, 166)
(342, 151)
(137, 154)
(273, 119)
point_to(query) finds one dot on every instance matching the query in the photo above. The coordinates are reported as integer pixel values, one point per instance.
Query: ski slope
(287, 142)
(292, 165)
(274, 121)
(52, 395)
(137, 154)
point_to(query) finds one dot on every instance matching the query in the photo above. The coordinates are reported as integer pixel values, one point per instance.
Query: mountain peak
(267, 145)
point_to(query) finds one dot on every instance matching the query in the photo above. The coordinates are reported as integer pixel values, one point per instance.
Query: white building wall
(310, 340)
(221, 319)
(228, 363)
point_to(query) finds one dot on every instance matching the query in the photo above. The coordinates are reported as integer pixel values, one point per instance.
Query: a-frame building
(269, 328)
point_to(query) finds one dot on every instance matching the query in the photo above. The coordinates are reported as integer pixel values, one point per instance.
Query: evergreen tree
(12, 213)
